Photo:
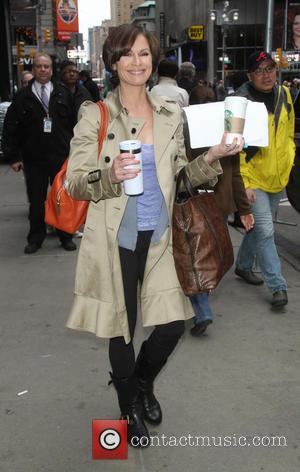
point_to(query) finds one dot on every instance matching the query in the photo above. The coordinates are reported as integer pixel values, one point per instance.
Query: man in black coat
(37, 131)
(90, 85)
(69, 78)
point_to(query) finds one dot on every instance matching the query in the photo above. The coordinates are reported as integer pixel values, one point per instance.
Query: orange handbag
(61, 210)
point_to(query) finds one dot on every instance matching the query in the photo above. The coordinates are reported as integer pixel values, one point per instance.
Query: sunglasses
(264, 70)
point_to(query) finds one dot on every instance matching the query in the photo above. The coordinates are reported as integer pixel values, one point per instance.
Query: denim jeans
(260, 241)
(201, 307)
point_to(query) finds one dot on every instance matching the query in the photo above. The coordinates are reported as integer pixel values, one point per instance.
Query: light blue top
(150, 201)
(147, 211)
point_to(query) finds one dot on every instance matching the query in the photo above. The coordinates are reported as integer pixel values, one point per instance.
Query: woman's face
(296, 26)
(136, 67)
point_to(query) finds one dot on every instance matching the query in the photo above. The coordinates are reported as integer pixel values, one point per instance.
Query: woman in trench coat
(127, 241)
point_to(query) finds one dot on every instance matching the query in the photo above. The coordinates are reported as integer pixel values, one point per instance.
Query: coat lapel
(164, 124)
(164, 128)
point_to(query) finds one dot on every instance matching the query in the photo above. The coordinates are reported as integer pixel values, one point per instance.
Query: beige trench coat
(99, 304)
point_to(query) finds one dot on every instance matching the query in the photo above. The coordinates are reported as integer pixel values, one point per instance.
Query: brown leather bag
(202, 246)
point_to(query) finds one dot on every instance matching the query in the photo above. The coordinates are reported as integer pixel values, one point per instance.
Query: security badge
(47, 125)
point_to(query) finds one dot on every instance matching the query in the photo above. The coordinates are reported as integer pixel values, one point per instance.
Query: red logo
(261, 56)
(110, 439)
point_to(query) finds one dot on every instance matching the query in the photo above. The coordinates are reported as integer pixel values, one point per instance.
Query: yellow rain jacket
(270, 167)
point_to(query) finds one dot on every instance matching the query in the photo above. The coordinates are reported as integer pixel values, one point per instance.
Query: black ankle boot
(131, 409)
(146, 373)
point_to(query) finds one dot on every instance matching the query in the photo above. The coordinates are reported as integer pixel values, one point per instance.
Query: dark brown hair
(167, 68)
(121, 39)
(201, 94)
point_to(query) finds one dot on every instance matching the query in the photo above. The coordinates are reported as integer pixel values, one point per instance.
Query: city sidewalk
(239, 380)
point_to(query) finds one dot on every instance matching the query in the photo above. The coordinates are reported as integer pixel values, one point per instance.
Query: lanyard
(45, 106)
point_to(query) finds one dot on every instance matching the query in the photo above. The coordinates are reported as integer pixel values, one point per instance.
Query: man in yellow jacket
(265, 172)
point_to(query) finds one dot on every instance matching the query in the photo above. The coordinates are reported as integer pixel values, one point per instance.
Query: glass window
(241, 41)
(239, 62)
(242, 35)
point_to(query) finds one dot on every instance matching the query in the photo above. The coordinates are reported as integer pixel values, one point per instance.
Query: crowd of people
(125, 256)
(253, 181)
(294, 86)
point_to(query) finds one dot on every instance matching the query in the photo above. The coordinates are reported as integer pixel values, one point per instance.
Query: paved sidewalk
(240, 380)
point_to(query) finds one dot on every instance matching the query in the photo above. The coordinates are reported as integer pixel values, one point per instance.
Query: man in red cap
(265, 171)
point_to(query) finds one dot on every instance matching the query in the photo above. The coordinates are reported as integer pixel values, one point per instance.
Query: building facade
(97, 36)
(144, 15)
(29, 26)
(32, 23)
(95, 50)
(121, 10)
(185, 30)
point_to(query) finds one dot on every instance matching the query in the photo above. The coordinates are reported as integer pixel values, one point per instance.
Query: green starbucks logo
(228, 123)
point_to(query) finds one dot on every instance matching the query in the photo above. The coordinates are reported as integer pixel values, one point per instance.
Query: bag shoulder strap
(103, 124)
(183, 180)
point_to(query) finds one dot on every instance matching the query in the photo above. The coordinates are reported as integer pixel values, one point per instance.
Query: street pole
(286, 23)
(211, 46)
(224, 18)
(223, 52)
(269, 35)
(20, 66)
(38, 27)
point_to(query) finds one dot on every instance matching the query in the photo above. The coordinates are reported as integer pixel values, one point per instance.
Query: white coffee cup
(133, 186)
(235, 113)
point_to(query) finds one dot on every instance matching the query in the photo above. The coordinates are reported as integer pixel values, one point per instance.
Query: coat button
(107, 159)
(110, 136)
(175, 158)
(133, 130)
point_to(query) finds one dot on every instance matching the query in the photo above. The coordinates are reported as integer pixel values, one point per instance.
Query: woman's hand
(119, 170)
(223, 149)
(17, 166)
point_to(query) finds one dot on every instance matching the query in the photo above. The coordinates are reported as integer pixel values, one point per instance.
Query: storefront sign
(196, 32)
(288, 57)
(25, 61)
(292, 56)
(66, 19)
(76, 54)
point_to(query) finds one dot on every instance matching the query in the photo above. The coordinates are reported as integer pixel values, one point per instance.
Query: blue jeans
(260, 241)
(201, 307)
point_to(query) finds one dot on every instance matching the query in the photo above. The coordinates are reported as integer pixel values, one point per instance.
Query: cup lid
(129, 144)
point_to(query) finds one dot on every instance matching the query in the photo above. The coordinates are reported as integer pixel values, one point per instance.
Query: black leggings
(163, 338)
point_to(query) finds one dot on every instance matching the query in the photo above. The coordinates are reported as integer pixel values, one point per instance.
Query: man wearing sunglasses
(265, 171)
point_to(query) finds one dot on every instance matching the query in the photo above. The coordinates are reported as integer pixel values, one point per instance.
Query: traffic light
(20, 48)
(279, 53)
(47, 35)
(281, 59)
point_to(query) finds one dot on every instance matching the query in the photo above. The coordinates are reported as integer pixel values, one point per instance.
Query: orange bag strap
(103, 124)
